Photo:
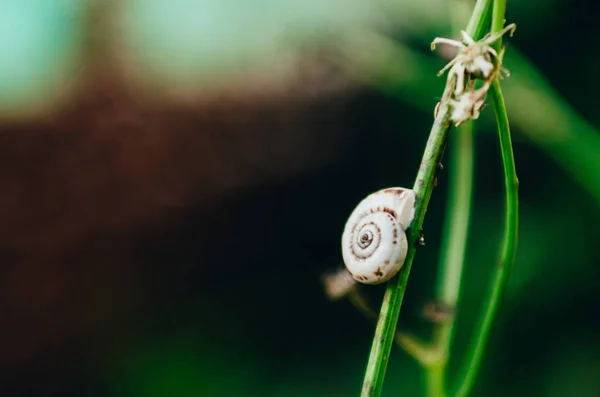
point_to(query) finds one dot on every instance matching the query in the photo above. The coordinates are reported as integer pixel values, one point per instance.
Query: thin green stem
(436, 381)
(458, 212)
(498, 20)
(456, 231)
(392, 300)
(509, 245)
(479, 19)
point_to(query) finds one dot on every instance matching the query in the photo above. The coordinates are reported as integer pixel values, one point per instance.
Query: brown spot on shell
(387, 262)
(397, 191)
(390, 211)
(378, 272)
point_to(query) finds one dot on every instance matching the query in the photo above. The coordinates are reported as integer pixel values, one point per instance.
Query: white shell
(374, 244)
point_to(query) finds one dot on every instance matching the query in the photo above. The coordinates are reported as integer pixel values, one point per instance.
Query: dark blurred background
(175, 177)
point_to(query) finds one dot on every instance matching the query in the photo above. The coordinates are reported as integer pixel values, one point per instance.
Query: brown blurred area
(81, 186)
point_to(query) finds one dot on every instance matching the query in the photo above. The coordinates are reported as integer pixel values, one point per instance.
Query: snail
(374, 243)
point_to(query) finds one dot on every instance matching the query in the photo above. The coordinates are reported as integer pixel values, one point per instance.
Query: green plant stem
(453, 248)
(456, 225)
(435, 381)
(508, 250)
(509, 245)
(392, 300)
(498, 20)
(479, 19)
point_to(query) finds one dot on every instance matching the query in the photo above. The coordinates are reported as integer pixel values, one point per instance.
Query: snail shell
(374, 243)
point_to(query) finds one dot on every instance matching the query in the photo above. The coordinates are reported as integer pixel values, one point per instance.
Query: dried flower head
(468, 106)
(476, 59)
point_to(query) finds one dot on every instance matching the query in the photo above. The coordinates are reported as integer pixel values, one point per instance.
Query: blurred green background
(177, 174)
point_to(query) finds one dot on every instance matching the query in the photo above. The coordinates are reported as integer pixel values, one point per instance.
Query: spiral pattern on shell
(374, 243)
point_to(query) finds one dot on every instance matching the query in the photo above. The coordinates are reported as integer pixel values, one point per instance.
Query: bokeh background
(175, 177)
